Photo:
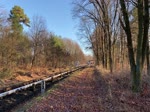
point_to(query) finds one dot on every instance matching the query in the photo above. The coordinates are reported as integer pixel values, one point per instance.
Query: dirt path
(78, 93)
(89, 91)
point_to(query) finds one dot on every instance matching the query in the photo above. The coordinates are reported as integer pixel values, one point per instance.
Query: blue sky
(57, 13)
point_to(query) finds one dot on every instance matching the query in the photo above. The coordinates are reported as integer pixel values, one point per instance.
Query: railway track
(11, 98)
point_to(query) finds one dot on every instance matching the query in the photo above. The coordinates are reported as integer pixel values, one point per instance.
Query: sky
(57, 13)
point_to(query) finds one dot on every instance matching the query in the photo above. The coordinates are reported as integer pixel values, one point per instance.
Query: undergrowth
(5, 72)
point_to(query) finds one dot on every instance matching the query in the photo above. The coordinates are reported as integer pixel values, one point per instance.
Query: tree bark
(147, 57)
(127, 29)
(146, 28)
(139, 47)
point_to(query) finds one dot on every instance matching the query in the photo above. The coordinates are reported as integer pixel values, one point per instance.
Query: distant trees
(73, 52)
(36, 48)
(49, 49)
(57, 50)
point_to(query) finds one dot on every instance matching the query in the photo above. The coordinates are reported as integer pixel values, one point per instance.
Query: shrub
(5, 72)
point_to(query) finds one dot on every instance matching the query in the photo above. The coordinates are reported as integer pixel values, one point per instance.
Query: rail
(42, 82)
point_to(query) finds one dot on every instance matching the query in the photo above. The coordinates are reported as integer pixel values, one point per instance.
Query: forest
(118, 33)
(36, 47)
(115, 31)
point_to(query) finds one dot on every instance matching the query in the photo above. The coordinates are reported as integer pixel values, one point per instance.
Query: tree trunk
(127, 29)
(110, 56)
(147, 57)
(146, 28)
(137, 83)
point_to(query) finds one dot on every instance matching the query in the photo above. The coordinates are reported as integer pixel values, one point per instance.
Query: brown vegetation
(34, 54)
(25, 75)
(92, 90)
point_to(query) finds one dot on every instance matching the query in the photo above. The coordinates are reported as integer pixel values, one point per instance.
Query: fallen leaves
(89, 91)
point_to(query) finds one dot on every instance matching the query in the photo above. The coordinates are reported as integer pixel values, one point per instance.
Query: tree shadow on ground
(103, 91)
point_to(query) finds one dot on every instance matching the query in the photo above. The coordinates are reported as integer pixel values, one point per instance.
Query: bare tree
(38, 27)
(103, 15)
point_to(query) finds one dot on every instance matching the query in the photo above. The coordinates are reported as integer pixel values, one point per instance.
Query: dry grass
(24, 75)
(122, 95)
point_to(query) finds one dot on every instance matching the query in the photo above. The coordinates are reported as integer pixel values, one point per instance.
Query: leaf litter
(92, 91)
